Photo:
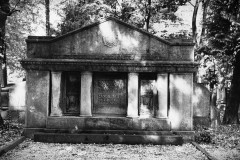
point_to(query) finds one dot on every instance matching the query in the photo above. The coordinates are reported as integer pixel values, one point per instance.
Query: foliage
(216, 55)
(141, 13)
(227, 136)
(202, 135)
(18, 27)
(10, 132)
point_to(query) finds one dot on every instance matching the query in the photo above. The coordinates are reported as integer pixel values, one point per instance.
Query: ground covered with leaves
(10, 132)
(44, 151)
(222, 143)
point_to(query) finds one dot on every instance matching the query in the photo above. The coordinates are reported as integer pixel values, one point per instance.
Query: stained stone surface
(162, 91)
(201, 100)
(56, 94)
(108, 123)
(110, 95)
(86, 94)
(201, 105)
(181, 90)
(111, 39)
(132, 107)
(38, 86)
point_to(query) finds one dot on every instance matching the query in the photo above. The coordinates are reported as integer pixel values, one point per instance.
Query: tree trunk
(148, 11)
(204, 16)
(47, 17)
(1, 120)
(231, 111)
(4, 12)
(194, 19)
(4, 61)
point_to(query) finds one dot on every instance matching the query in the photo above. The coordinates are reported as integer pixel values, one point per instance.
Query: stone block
(121, 123)
(181, 53)
(37, 50)
(68, 123)
(97, 123)
(201, 101)
(181, 90)
(38, 86)
(151, 124)
(108, 138)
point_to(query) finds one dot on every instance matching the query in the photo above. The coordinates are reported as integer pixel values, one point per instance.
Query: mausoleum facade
(109, 76)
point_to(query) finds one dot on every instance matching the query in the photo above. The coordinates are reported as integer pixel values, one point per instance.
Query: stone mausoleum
(109, 76)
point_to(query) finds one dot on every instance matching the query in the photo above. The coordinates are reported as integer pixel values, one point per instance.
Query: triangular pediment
(113, 39)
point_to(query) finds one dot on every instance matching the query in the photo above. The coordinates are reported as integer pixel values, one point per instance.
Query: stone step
(129, 132)
(108, 138)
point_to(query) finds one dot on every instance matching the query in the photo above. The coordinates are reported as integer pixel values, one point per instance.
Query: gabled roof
(37, 38)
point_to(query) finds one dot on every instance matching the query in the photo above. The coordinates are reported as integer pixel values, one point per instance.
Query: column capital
(133, 74)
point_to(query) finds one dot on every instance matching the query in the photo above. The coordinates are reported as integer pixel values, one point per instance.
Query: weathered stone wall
(181, 89)
(201, 105)
(37, 98)
(111, 39)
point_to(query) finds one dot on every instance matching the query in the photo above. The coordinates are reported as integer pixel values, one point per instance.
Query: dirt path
(29, 150)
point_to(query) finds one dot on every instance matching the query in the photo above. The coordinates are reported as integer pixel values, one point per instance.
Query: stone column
(162, 88)
(132, 110)
(86, 94)
(56, 94)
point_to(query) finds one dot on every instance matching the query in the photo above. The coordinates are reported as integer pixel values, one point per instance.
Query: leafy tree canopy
(142, 13)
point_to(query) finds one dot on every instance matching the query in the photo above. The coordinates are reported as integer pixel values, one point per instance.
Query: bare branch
(14, 9)
(191, 3)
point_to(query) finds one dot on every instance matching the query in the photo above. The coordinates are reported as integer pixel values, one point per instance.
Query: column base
(85, 115)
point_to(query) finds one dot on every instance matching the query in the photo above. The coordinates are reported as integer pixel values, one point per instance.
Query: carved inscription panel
(110, 95)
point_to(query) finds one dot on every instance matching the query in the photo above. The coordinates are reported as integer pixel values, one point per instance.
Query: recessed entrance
(71, 101)
(148, 95)
(110, 94)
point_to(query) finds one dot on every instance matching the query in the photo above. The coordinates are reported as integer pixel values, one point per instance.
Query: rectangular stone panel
(181, 107)
(38, 87)
(110, 94)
